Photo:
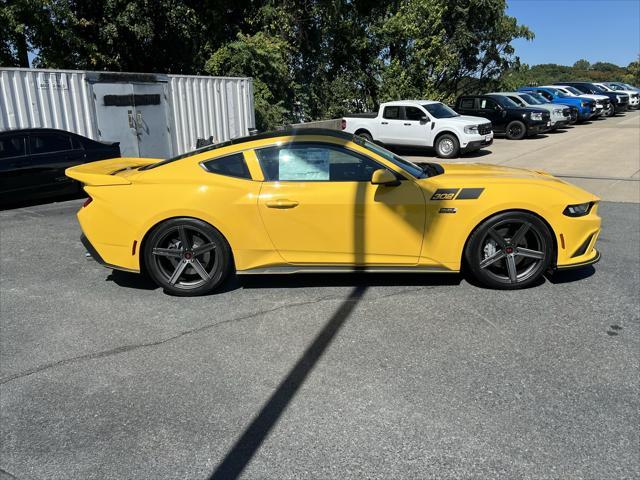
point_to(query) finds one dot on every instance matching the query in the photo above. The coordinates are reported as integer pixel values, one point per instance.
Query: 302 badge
(457, 194)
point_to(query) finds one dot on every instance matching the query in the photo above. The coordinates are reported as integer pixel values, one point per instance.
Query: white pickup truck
(422, 123)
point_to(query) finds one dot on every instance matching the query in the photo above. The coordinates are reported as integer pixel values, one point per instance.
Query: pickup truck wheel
(447, 146)
(516, 130)
(612, 110)
(366, 135)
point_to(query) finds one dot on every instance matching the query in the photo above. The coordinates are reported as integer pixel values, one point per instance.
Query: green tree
(582, 64)
(267, 60)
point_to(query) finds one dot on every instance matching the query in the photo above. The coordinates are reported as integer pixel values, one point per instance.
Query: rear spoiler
(105, 172)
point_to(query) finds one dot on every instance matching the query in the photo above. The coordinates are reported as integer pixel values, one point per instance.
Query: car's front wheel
(510, 250)
(516, 130)
(187, 257)
(447, 146)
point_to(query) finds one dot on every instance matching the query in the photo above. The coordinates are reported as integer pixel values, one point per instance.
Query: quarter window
(49, 142)
(391, 113)
(311, 162)
(467, 103)
(231, 166)
(12, 147)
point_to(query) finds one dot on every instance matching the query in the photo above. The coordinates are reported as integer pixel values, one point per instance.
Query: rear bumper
(96, 256)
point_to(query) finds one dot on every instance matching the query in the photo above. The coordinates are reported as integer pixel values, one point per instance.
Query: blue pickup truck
(586, 107)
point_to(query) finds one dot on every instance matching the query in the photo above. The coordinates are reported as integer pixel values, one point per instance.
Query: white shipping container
(151, 115)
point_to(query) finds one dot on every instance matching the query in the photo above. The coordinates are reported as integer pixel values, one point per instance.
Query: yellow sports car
(326, 201)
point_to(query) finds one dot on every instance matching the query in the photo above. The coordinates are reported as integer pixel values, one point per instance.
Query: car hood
(480, 174)
(465, 120)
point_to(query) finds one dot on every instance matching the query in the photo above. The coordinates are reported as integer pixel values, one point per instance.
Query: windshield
(605, 88)
(573, 90)
(558, 93)
(530, 99)
(539, 97)
(504, 101)
(440, 110)
(406, 165)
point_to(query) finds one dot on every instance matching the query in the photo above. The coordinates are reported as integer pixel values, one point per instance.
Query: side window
(487, 104)
(49, 142)
(391, 113)
(413, 113)
(517, 100)
(312, 162)
(467, 103)
(12, 147)
(230, 166)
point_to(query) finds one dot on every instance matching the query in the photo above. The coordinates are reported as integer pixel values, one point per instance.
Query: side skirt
(290, 269)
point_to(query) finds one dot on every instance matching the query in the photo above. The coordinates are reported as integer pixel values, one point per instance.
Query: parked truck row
(471, 122)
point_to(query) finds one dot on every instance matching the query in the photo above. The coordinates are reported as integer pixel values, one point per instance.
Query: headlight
(619, 97)
(579, 210)
(472, 129)
(557, 111)
(536, 116)
(584, 104)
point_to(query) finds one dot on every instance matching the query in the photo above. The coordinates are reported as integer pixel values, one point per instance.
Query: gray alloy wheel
(509, 251)
(447, 146)
(187, 257)
(612, 110)
(516, 130)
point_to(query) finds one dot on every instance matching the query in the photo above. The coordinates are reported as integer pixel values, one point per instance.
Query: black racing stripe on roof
(288, 132)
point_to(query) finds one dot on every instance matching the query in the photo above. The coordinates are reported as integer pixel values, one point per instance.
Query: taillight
(343, 124)
(87, 202)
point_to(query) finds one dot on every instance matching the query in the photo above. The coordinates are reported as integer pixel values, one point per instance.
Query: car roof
(287, 132)
(505, 93)
(412, 102)
(35, 130)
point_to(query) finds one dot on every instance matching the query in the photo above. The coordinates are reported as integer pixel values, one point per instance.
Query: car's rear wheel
(447, 146)
(510, 250)
(516, 130)
(187, 257)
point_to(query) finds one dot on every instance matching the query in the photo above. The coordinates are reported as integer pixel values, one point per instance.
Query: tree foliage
(309, 59)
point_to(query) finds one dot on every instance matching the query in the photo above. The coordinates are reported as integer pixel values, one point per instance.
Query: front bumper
(538, 127)
(595, 258)
(476, 144)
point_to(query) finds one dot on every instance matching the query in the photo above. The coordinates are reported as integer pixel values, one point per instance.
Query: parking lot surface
(602, 156)
(346, 376)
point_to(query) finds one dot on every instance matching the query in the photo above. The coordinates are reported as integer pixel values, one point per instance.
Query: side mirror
(382, 176)
(424, 119)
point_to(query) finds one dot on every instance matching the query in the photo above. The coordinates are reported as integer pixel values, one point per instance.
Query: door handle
(282, 203)
(385, 123)
(407, 124)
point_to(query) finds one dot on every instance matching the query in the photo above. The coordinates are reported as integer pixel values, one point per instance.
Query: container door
(152, 128)
(115, 112)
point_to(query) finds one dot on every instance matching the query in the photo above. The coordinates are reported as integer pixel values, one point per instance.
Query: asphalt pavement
(103, 376)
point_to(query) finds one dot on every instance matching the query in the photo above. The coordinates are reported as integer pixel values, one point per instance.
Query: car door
(417, 132)
(51, 153)
(489, 109)
(319, 207)
(15, 166)
(391, 128)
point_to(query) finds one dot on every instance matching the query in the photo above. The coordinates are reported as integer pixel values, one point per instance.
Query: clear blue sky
(568, 30)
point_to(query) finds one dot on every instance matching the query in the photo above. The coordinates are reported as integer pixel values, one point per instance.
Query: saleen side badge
(457, 194)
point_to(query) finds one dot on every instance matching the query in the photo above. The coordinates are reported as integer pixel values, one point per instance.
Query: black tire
(366, 135)
(195, 270)
(516, 130)
(510, 250)
(447, 146)
(612, 110)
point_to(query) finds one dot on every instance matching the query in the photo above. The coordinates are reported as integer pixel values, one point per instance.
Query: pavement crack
(136, 346)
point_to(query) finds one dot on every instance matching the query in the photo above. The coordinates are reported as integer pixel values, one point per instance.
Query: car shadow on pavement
(42, 201)
(569, 276)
